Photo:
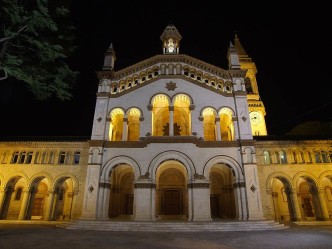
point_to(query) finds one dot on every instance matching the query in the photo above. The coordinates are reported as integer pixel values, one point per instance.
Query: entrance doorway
(171, 194)
(214, 202)
(172, 201)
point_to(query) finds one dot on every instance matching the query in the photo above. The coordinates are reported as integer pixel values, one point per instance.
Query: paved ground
(37, 236)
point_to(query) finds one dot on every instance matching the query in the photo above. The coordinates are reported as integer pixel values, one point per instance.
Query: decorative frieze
(144, 185)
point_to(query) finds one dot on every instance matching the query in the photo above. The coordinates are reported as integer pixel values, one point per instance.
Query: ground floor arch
(121, 194)
(171, 191)
(37, 199)
(300, 199)
(222, 198)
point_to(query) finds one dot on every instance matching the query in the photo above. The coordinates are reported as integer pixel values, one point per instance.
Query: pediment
(168, 66)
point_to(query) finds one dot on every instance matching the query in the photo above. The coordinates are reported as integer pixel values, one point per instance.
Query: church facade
(173, 138)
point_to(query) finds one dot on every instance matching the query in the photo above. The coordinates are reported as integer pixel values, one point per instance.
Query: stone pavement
(47, 235)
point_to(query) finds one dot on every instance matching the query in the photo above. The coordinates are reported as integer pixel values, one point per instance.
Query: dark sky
(288, 42)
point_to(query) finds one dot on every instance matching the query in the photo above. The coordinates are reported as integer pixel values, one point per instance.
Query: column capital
(144, 185)
(239, 185)
(51, 191)
(103, 185)
(198, 185)
(171, 108)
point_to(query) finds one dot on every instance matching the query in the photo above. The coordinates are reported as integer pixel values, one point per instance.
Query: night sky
(288, 42)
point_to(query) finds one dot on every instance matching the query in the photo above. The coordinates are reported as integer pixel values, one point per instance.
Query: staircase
(174, 226)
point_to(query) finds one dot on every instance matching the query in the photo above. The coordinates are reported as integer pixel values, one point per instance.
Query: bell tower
(171, 40)
(256, 107)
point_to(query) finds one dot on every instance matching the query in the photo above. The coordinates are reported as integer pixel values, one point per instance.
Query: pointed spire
(240, 50)
(233, 57)
(109, 58)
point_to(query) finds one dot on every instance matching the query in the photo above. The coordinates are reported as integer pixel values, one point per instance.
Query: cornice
(179, 58)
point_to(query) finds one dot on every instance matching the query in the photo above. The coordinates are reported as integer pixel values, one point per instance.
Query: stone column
(103, 200)
(252, 200)
(72, 214)
(322, 204)
(143, 201)
(2, 198)
(125, 129)
(171, 117)
(49, 206)
(218, 135)
(146, 126)
(201, 210)
(294, 204)
(236, 129)
(107, 130)
(141, 124)
(190, 202)
(91, 190)
(240, 200)
(275, 205)
(200, 130)
(24, 205)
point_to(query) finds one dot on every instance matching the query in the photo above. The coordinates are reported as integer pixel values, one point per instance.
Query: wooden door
(308, 207)
(172, 202)
(37, 209)
(129, 205)
(214, 202)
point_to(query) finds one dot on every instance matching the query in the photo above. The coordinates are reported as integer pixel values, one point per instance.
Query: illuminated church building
(173, 138)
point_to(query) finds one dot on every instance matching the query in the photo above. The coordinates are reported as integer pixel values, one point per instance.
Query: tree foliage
(36, 37)
(312, 128)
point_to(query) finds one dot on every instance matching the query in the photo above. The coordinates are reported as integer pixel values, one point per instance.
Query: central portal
(172, 196)
(172, 201)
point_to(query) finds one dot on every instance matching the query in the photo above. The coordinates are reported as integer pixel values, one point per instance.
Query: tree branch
(3, 39)
(4, 77)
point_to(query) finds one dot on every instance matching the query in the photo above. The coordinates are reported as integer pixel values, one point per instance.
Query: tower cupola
(171, 40)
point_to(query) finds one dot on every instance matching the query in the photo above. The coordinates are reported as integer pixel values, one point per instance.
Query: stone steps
(173, 226)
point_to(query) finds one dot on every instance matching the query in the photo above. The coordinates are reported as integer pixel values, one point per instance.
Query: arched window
(324, 156)
(22, 157)
(133, 124)
(15, 157)
(282, 157)
(116, 126)
(182, 117)
(77, 157)
(160, 115)
(226, 124)
(267, 157)
(29, 157)
(209, 117)
(62, 157)
(317, 157)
